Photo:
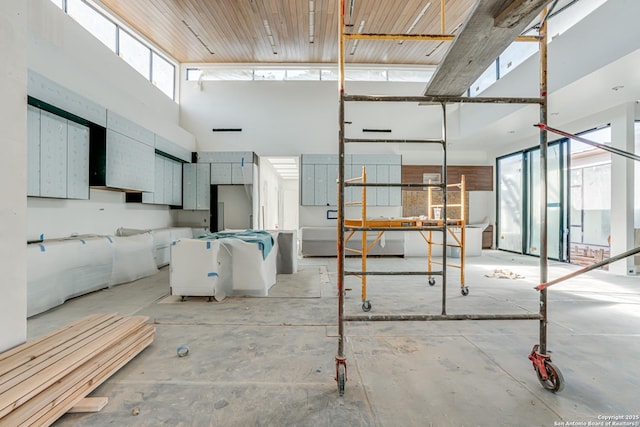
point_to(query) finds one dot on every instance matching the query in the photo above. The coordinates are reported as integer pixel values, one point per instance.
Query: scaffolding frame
(548, 375)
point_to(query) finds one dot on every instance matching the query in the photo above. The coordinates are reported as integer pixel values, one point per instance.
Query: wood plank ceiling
(237, 31)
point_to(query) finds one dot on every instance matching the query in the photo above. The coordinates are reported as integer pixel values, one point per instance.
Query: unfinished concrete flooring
(270, 361)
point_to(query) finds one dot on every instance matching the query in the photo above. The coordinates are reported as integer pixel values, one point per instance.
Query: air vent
(377, 130)
(226, 130)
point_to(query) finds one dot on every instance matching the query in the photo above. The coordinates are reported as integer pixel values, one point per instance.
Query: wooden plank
(90, 384)
(34, 381)
(479, 43)
(43, 347)
(89, 404)
(31, 344)
(75, 386)
(53, 353)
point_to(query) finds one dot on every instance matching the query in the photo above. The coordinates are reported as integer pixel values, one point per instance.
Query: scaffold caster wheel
(432, 281)
(342, 378)
(183, 298)
(464, 291)
(554, 381)
(366, 305)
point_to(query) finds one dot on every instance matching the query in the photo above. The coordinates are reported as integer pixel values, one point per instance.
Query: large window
(135, 53)
(131, 48)
(578, 200)
(519, 201)
(295, 72)
(94, 22)
(563, 17)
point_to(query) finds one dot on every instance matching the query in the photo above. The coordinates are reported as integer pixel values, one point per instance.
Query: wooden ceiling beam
(480, 42)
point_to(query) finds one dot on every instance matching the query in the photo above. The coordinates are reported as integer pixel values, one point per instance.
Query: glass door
(557, 231)
(510, 177)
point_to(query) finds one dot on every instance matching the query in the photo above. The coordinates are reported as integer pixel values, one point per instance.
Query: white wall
(63, 51)
(13, 122)
(104, 213)
(290, 205)
(269, 196)
(289, 118)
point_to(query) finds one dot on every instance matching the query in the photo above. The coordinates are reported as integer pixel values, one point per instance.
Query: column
(13, 175)
(622, 189)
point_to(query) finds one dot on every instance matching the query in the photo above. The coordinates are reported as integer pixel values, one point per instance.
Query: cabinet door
(189, 186)
(395, 193)
(220, 173)
(53, 155)
(320, 189)
(158, 186)
(242, 173)
(382, 176)
(332, 185)
(371, 177)
(308, 186)
(33, 151)
(78, 161)
(177, 184)
(168, 182)
(130, 164)
(203, 186)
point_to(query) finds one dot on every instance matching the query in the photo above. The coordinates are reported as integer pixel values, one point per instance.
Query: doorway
(279, 192)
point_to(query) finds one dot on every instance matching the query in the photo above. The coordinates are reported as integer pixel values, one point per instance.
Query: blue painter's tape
(173, 243)
(42, 236)
(208, 245)
(242, 163)
(41, 248)
(213, 274)
(83, 242)
(109, 239)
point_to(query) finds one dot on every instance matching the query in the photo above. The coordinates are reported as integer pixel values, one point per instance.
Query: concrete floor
(270, 361)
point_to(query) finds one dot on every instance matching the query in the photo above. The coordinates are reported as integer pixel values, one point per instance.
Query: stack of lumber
(41, 380)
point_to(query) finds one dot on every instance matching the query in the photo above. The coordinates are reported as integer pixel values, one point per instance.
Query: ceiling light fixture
(312, 20)
(267, 27)
(355, 43)
(415, 22)
(190, 28)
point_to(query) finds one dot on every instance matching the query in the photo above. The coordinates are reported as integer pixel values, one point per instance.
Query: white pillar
(13, 175)
(622, 189)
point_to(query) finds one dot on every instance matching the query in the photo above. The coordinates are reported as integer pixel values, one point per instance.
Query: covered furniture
(224, 263)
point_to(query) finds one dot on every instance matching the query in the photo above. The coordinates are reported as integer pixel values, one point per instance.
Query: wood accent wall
(478, 178)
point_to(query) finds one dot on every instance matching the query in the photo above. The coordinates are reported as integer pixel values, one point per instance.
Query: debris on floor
(504, 274)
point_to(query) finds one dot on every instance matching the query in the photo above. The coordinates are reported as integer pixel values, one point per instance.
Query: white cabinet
(57, 156)
(33, 151)
(395, 177)
(320, 173)
(229, 167)
(53, 155)
(77, 161)
(220, 173)
(168, 183)
(308, 185)
(123, 126)
(241, 173)
(177, 184)
(130, 164)
(196, 186)
(320, 183)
